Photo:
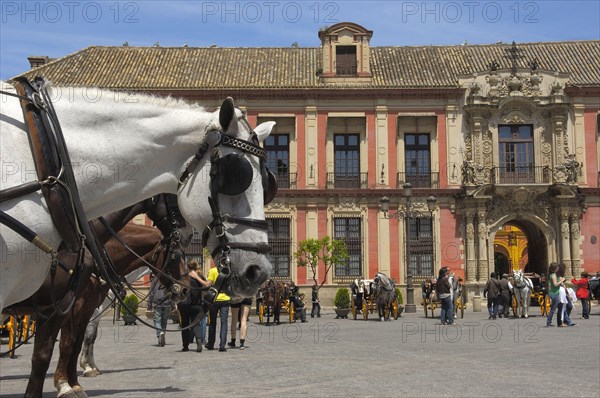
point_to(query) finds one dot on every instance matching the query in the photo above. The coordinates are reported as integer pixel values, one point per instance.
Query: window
(345, 64)
(348, 229)
(194, 250)
(417, 155)
(281, 242)
(347, 161)
(278, 158)
(516, 153)
(420, 246)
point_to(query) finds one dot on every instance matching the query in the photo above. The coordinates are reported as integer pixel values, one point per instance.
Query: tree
(326, 250)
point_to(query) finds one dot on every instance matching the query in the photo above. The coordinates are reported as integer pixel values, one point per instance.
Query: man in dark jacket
(492, 290)
(505, 296)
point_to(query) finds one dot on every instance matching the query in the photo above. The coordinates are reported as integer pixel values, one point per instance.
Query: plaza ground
(410, 357)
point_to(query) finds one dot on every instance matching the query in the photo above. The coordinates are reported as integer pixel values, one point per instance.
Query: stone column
(565, 243)
(470, 248)
(482, 261)
(575, 235)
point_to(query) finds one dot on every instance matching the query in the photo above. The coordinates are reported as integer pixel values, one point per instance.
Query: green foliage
(342, 298)
(132, 302)
(399, 294)
(326, 250)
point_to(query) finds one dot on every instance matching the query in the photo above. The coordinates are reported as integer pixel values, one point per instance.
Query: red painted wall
(590, 252)
(591, 155)
(450, 243)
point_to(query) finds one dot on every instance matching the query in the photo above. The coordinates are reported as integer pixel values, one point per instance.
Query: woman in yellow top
(554, 283)
(221, 306)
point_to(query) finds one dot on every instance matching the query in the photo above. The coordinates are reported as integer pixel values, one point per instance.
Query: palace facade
(499, 143)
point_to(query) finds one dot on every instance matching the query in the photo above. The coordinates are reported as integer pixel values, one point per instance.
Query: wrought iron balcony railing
(419, 180)
(287, 180)
(347, 181)
(521, 175)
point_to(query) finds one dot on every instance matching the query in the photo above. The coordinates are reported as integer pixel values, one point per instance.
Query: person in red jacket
(583, 294)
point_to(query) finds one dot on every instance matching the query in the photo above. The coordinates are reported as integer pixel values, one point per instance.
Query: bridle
(231, 175)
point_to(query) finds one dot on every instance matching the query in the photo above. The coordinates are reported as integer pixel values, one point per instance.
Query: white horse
(124, 149)
(522, 288)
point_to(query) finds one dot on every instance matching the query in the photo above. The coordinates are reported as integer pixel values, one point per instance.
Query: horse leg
(87, 361)
(61, 381)
(526, 300)
(43, 347)
(72, 361)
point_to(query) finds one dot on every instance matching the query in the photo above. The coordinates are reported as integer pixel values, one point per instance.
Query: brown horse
(43, 301)
(145, 241)
(274, 293)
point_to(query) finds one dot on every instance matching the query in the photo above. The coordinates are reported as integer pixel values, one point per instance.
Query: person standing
(197, 311)
(505, 298)
(492, 290)
(219, 307)
(554, 282)
(160, 305)
(583, 293)
(239, 313)
(316, 305)
(443, 289)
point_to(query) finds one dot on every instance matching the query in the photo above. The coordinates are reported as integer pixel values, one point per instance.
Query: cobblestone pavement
(409, 357)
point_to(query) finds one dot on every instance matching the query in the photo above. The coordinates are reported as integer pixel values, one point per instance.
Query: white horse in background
(522, 288)
(125, 149)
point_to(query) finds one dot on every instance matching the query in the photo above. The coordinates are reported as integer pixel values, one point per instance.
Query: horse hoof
(79, 393)
(526, 316)
(92, 372)
(67, 394)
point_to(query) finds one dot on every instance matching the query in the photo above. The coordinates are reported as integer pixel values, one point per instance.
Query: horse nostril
(253, 273)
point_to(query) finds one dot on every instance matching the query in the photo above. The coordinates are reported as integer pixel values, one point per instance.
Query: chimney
(38, 60)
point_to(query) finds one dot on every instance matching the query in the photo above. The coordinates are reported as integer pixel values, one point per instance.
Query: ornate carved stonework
(475, 174)
(470, 231)
(575, 229)
(471, 270)
(521, 201)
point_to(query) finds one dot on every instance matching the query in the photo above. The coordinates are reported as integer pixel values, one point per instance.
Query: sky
(62, 27)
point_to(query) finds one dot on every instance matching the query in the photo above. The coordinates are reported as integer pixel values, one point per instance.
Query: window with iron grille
(347, 160)
(420, 246)
(194, 250)
(417, 155)
(281, 242)
(348, 229)
(278, 157)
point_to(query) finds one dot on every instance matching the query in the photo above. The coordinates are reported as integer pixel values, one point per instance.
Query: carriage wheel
(365, 310)
(11, 326)
(261, 313)
(514, 305)
(353, 308)
(546, 306)
(291, 312)
(395, 311)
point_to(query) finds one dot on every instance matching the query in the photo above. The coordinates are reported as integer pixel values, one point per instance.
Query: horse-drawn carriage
(378, 294)
(535, 291)
(273, 297)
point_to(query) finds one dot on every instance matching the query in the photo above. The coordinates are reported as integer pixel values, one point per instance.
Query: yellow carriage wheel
(365, 310)
(261, 313)
(353, 308)
(291, 312)
(514, 305)
(395, 309)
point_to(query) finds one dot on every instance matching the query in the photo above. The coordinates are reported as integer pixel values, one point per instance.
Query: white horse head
(127, 148)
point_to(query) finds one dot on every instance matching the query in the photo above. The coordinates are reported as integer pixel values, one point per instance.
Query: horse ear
(226, 113)
(263, 130)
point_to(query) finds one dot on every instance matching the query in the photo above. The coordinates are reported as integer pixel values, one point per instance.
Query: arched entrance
(523, 246)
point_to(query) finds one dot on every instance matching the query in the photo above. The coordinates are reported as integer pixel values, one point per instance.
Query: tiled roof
(188, 68)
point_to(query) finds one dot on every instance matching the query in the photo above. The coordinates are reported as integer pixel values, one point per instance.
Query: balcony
(287, 180)
(515, 175)
(347, 181)
(419, 180)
